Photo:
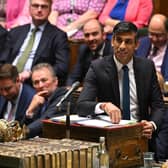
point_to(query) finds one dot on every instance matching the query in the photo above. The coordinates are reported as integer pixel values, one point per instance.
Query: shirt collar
(119, 65)
(41, 27)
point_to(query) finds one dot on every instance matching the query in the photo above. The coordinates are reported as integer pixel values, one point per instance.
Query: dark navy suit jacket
(23, 103)
(35, 124)
(85, 57)
(53, 48)
(144, 50)
(101, 84)
(3, 35)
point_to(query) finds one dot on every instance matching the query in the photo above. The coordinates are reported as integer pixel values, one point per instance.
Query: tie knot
(125, 68)
(154, 51)
(34, 30)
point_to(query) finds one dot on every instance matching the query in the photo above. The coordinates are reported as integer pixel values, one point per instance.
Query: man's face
(93, 35)
(39, 10)
(158, 34)
(124, 45)
(9, 88)
(43, 80)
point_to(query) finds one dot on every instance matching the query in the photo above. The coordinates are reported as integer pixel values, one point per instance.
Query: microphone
(68, 93)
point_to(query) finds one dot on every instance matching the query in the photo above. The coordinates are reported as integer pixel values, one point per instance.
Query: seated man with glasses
(155, 46)
(37, 42)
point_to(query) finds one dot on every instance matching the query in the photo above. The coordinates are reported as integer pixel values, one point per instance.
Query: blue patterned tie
(126, 94)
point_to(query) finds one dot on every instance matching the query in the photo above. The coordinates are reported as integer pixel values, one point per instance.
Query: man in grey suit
(104, 81)
(50, 43)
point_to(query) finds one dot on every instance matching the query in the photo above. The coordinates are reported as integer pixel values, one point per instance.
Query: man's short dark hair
(8, 71)
(124, 27)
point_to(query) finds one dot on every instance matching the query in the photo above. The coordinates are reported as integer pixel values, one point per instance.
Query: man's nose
(122, 45)
(91, 37)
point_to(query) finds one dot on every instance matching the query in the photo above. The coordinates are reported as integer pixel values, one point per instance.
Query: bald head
(158, 30)
(158, 23)
(93, 34)
(93, 23)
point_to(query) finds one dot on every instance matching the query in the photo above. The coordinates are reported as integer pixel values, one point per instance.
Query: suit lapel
(3, 106)
(111, 71)
(20, 39)
(164, 66)
(139, 81)
(43, 42)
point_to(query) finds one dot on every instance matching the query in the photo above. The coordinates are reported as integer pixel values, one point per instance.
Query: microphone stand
(68, 120)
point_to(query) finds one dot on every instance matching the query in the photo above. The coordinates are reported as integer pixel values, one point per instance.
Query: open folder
(98, 121)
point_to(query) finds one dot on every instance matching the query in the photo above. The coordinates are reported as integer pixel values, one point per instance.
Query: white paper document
(99, 121)
(73, 118)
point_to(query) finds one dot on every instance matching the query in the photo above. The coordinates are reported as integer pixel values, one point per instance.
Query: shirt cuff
(98, 110)
(154, 125)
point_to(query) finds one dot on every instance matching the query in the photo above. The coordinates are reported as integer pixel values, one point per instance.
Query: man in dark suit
(43, 104)
(155, 45)
(15, 96)
(103, 87)
(50, 43)
(95, 47)
(3, 35)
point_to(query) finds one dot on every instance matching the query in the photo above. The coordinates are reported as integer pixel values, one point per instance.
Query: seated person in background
(3, 36)
(17, 13)
(43, 104)
(155, 45)
(70, 16)
(11, 13)
(111, 82)
(95, 47)
(37, 42)
(15, 96)
(137, 12)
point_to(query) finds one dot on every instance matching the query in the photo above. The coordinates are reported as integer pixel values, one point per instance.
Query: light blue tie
(126, 94)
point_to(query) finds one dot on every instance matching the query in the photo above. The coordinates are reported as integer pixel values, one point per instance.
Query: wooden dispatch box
(125, 144)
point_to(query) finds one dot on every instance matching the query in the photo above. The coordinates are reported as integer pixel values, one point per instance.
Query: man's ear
(17, 79)
(112, 41)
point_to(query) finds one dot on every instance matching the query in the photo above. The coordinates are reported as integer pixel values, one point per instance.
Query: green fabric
(23, 58)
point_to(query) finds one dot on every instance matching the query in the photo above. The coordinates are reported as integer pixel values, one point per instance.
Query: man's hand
(113, 112)
(147, 129)
(38, 99)
(24, 75)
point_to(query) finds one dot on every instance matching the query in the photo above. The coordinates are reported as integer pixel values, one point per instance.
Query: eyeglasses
(37, 6)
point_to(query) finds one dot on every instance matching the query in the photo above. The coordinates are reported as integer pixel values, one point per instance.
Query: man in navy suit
(103, 92)
(43, 104)
(95, 47)
(50, 45)
(15, 96)
(3, 35)
(155, 45)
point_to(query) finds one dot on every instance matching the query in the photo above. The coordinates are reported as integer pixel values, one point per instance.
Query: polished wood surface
(124, 143)
(161, 6)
